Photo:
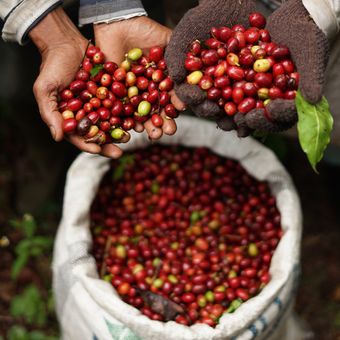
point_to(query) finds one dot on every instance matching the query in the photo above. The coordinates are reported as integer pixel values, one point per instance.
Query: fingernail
(184, 109)
(53, 133)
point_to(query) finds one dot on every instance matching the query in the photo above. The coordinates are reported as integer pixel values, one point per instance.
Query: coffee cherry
(170, 111)
(246, 105)
(134, 54)
(224, 34)
(156, 54)
(252, 36)
(128, 123)
(263, 79)
(257, 20)
(288, 66)
(230, 108)
(106, 80)
(261, 65)
(193, 64)
(77, 86)
(235, 73)
(91, 51)
(66, 95)
(102, 92)
(69, 125)
(83, 126)
(110, 67)
(118, 89)
(210, 58)
(87, 65)
(142, 83)
(237, 95)
(194, 77)
(117, 134)
(280, 52)
(166, 84)
(82, 75)
(232, 45)
(157, 120)
(74, 104)
(144, 108)
(213, 93)
(98, 57)
(205, 83)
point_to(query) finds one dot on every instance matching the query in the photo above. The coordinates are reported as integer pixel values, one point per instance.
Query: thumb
(46, 97)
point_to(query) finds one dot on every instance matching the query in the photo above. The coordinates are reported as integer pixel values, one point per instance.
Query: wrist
(323, 14)
(120, 27)
(55, 29)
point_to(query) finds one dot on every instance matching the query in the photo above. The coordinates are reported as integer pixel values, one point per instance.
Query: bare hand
(62, 48)
(117, 38)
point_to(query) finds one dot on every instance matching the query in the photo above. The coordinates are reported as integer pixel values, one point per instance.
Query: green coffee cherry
(144, 108)
(117, 133)
(135, 54)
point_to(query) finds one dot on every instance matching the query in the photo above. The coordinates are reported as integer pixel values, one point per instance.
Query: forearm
(55, 29)
(21, 16)
(326, 14)
(99, 11)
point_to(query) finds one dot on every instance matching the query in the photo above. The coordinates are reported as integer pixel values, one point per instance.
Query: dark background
(32, 174)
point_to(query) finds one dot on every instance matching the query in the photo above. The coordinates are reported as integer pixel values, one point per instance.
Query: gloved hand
(196, 24)
(290, 25)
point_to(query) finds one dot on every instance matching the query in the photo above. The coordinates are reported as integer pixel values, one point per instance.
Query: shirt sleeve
(326, 14)
(20, 16)
(99, 11)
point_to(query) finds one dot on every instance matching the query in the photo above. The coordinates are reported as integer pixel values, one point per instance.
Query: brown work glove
(196, 24)
(289, 25)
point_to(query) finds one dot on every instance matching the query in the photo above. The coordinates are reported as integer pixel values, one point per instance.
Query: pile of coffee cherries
(104, 101)
(186, 230)
(241, 68)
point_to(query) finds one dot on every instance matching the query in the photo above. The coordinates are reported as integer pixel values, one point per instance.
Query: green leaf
(37, 335)
(50, 303)
(30, 305)
(23, 247)
(17, 333)
(314, 127)
(43, 242)
(97, 230)
(196, 216)
(123, 162)
(27, 225)
(18, 264)
(336, 321)
(95, 70)
(155, 187)
(234, 305)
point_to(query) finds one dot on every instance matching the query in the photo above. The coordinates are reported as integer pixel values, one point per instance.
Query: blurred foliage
(21, 333)
(31, 245)
(32, 308)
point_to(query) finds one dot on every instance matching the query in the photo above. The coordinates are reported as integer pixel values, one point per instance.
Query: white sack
(90, 308)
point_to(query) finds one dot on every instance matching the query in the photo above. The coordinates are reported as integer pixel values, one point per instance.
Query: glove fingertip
(312, 94)
(226, 123)
(257, 120)
(207, 109)
(243, 131)
(189, 94)
(283, 111)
